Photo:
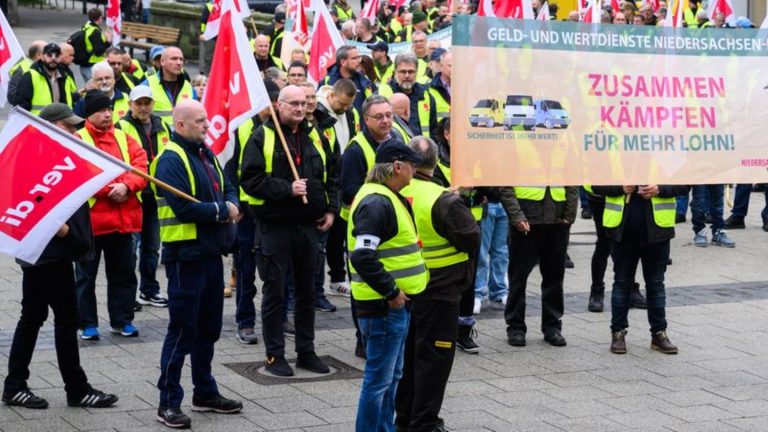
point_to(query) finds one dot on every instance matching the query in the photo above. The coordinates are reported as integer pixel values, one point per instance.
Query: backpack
(77, 40)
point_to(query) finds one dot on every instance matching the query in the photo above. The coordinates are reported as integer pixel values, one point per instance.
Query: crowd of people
(352, 175)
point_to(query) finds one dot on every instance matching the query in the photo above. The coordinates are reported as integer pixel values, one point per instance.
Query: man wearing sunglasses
(44, 84)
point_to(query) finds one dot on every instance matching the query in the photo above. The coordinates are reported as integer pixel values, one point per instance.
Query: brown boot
(618, 344)
(660, 342)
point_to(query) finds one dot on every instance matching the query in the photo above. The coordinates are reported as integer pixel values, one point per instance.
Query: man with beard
(423, 118)
(44, 84)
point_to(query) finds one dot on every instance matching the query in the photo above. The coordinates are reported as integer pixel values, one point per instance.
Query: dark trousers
(121, 281)
(545, 244)
(335, 251)
(195, 307)
(283, 247)
(429, 351)
(245, 262)
(53, 285)
(707, 199)
(741, 201)
(149, 247)
(602, 247)
(626, 255)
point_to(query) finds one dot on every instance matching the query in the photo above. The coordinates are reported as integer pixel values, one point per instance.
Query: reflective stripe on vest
(163, 104)
(42, 94)
(243, 135)
(269, 154)
(663, 211)
(370, 157)
(122, 144)
(536, 193)
(400, 255)
(438, 252)
(171, 229)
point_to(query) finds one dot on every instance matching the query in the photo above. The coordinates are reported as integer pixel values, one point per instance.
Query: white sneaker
(478, 306)
(338, 289)
(503, 299)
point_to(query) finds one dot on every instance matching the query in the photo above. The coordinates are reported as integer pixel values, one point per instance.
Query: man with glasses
(104, 80)
(423, 118)
(348, 66)
(420, 50)
(44, 84)
(123, 81)
(292, 213)
(358, 159)
(297, 73)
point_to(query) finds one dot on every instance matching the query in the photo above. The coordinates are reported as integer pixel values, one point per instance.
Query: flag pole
(285, 148)
(37, 120)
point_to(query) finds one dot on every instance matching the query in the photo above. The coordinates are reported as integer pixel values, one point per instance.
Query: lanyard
(208, 171)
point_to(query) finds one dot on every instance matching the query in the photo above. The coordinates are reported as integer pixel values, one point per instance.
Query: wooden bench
(145, 36)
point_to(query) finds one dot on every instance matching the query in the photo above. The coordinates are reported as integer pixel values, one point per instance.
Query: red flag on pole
(724, 7)
(214, 17)
(485, 8)
(10, 54)
(114, 21)
(47, 175)
(326, 39)
(370, 10)
(543, 12)
(593, 12)
(235, 90)
(520, 9)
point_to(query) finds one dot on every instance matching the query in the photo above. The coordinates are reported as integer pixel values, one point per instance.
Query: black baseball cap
(394, 150)
(379, 46)
(52, 48)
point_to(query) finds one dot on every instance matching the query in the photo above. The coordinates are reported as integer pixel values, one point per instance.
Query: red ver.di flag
(235, 90)
(214, 17)
(326, 39)
(114, 21)
(10, 53)
(47, 175)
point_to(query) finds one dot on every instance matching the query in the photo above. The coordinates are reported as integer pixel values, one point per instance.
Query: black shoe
(596, 302)
(669, 261)
(516, 339)
(568, 262)
(311, 362)
(735, 222)
(137, 307)
(555, 338)
(25, 398)
(93, 399)
(586, 213)
(218, 404)
(173, 417)
(360, 351)
(679, 218)
(765, 225)
(276, 365)
(466, 341)
(636, 299)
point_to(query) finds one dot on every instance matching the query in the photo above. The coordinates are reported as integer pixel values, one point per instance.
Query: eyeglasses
(407, 71)
(115, 63)
(296, 104)
(380, 117)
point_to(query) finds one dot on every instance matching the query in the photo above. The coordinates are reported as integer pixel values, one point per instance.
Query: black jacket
(25, 90)
(546, 211)
(637, 219)
(354, 169)
(148, 143)
(280, 206)
(214, 238)
(97, 42)
(77, 245)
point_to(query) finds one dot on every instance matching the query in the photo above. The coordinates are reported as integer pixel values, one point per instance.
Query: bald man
(170, 85)
(194, 236)
(290, 228)
(34, 53)
(261, 53)
(401, 107)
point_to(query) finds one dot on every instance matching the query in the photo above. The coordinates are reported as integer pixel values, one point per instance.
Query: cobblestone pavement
(717, 304)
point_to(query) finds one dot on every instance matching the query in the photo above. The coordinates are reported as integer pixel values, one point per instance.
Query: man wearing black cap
(245, 256)
(44, 83)
(382, 64)
(51, 282)
(348, 66)
(289, 227)
(387, 270)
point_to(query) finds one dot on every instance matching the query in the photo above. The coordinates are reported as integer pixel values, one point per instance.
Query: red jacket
(108, 216)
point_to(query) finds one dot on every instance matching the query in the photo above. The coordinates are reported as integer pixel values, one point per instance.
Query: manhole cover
(255, 372)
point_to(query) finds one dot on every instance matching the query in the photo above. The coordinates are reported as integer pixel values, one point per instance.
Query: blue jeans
(681, 204)
(245, 260)
(707, 198)
(149, 247)
(384, 346)
(654, 256)
(195, 307)
(493, 259)
(741, 201)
